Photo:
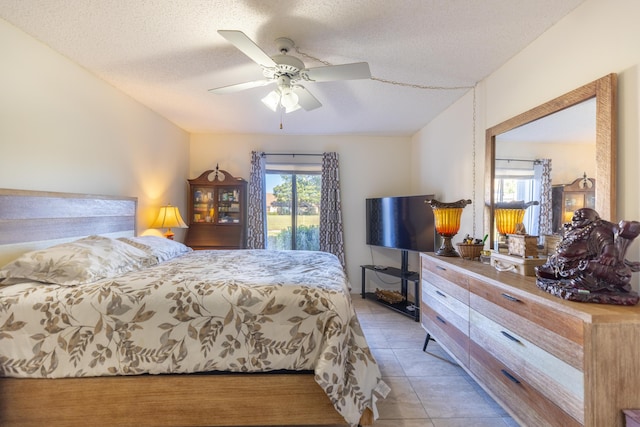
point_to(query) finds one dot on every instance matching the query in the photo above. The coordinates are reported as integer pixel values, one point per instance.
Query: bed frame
(30, 220)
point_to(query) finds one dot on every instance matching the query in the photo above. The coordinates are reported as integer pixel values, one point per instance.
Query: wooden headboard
(32, 220)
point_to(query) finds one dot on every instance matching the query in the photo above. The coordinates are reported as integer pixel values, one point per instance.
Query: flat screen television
(404, 223)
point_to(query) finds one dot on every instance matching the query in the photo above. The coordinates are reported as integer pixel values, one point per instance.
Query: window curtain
(256, 221)
(542, 174)
(331, 234)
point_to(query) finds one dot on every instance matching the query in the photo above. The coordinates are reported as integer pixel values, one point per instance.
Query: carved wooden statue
(589, 264)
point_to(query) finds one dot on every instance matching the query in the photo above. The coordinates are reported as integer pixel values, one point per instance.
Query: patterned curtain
(331, 235)
(546, 222)
(256, 221)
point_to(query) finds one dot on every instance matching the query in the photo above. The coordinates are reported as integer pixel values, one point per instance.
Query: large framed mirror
(591, 108)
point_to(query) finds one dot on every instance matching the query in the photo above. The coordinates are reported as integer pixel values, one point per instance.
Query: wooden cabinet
(566, 199)
(217, 214)
(581, 193)
(547, 361)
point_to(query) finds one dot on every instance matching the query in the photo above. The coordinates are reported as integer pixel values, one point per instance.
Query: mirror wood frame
(605, 92)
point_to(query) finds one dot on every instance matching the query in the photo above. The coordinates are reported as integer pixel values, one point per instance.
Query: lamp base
(169, 234)
(446, 249)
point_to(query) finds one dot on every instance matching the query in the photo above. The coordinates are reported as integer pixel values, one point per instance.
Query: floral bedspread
(240, 311)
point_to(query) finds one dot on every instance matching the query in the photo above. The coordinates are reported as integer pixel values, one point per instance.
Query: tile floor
(427, 389)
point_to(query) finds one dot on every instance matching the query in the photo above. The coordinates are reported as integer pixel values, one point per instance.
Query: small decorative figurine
(589, 263)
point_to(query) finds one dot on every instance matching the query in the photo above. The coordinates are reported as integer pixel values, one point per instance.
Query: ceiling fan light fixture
(272, 100)
(292, 109)
(284, 97)
(287, 71)
(289, 100)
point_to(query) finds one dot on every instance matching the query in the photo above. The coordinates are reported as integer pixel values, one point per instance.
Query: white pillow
(160, 247)
(81, 261)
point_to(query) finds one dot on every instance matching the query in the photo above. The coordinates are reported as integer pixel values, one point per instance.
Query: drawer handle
(510, 298)
(441, 294)
(441, 268)
(441, 319)
(511, 337)
(511, 377)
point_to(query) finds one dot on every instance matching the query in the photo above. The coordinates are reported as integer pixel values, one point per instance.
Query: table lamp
(447, 221)
(509, 214)
(508, 219)
(169, 217)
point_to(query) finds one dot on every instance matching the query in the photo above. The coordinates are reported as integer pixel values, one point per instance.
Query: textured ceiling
(167, 54)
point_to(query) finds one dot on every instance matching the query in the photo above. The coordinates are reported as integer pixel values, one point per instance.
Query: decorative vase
(447, 222)
(507, 217)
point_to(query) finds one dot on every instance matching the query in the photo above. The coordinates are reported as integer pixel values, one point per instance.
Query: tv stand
(405, 307)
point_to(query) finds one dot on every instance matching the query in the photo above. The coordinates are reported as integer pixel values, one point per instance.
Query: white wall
(597, 38)
(443, 163)
(369, 167)
(63, 129)
(569, 161)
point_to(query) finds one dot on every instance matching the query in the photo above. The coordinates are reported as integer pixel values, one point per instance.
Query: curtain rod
(291, 154)
(518, 160)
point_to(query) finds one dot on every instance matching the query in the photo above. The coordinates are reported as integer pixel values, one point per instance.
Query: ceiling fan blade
(305, 99)
(357, 70)
(241, 86)
(248, 47)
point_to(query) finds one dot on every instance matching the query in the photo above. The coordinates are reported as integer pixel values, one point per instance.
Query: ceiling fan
(287, 72)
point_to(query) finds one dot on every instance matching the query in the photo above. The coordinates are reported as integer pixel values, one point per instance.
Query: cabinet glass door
(572, 203)
(228, 205)
(203, 209)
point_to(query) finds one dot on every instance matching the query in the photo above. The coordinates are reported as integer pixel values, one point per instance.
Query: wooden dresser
(547, 361)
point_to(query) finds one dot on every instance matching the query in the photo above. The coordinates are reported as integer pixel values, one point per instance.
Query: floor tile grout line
(376, 318)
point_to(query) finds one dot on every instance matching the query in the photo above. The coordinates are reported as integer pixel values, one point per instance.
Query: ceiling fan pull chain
(306, 55)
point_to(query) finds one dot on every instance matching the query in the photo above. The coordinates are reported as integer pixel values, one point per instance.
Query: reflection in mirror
(534, 162)
(550, 147)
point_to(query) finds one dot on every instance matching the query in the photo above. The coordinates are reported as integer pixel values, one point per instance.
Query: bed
(142, 331)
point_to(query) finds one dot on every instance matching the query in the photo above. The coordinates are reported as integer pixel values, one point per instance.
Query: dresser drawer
(559, 381)
(450, 308)
(445, 333)
(525, 402)
(443, 277)
(556, 332)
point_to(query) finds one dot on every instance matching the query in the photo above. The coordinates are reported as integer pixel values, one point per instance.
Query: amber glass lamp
(447, 221)
(509, 214)
(508, 219)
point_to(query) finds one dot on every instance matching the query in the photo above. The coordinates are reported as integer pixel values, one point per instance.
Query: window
(517, 185)
(293, 206)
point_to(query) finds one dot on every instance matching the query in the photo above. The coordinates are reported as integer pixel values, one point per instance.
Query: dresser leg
(426, 341)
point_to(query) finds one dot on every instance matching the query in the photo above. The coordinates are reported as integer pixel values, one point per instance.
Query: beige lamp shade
(169, 217)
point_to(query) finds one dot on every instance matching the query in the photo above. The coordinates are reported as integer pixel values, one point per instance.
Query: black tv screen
(404, 223)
